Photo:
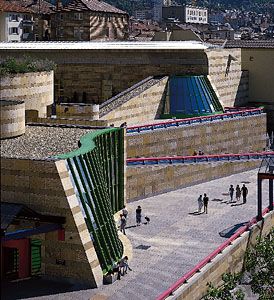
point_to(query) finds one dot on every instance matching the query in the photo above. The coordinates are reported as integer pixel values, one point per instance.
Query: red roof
(26, 6)
(12, 6)
(91, 5)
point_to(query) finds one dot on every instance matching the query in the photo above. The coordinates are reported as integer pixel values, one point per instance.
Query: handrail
(188, 121)
(198, 158)
(209, 258)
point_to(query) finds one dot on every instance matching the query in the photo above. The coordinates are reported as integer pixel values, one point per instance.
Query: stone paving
(177, 238)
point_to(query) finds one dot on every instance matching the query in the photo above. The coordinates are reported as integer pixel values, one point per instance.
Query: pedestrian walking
(200, 203)
(123, 223)
(238, 193)
(244, 192)
(125, 212)
(231, 192)
(205, 201)
(138, 215)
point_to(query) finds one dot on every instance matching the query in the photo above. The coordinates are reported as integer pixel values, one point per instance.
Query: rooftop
(91, 5)
(157, 45)
(27, 6)
(12, 6)
(250, 44)
(41, 142)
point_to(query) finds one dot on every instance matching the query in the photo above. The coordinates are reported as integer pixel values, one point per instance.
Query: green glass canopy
(190, 96)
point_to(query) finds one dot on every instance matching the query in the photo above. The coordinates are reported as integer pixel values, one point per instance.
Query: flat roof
(152, 45)
(42, 142)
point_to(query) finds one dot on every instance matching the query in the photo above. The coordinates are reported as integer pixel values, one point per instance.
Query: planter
(35, 89)
(12, 118)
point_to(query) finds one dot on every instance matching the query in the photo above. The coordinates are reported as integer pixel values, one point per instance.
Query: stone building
(86, 20)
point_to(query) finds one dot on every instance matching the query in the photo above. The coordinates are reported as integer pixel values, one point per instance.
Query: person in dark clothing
(244, 193)
(138, 215)
(205, 201)
(231, 192)
(123, 223)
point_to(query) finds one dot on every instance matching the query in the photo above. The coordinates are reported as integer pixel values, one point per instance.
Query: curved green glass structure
(96, 170)
(190, 96)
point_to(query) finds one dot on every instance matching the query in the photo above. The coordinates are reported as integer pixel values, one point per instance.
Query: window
(78, 32)
(61, 16)
(13, 30)
(13, 17)
(78, 16)
(27, 29)
(27, 17)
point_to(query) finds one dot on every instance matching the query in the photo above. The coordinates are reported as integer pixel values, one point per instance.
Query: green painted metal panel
(35, 246)
(97, 170)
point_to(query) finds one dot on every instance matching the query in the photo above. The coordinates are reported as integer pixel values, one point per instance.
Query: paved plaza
(176, 239)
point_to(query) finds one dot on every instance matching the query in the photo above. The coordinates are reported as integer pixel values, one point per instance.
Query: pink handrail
(143, 159)
(206, 260)
(195, 118)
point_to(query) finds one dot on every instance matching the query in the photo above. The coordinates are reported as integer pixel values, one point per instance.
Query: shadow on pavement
(217, 200)
(228, 232)
(238, 204)
(35, 287)
(196, 213)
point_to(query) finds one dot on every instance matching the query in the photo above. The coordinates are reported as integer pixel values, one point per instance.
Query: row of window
(196, 18)
(15, 17)
(196, 12)
(15, 30)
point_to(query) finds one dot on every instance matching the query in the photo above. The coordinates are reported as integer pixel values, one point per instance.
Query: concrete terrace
(177, 238)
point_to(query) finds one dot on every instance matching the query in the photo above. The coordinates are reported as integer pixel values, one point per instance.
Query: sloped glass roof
(190, 96)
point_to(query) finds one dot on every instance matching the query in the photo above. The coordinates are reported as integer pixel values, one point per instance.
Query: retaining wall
(12, 118)
(243, 134)
(230, 260)
(226, 76)
(143, 107)
(45, 187)
(146, 181)
(35, 89)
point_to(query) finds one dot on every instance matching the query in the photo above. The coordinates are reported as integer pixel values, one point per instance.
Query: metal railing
(209, 258)
(197, 158)
(196, 120)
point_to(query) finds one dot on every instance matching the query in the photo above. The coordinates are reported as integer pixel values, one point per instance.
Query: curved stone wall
(12, 118)
(35, 89)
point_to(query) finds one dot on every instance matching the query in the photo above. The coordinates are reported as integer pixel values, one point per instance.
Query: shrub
(25, 65)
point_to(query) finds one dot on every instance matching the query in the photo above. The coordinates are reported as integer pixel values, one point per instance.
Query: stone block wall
(91, 26)
(146, 181)
(45, 187)
(237, 135)
(12, 118)
(226, 76)
(35, 89)
(142, 108)
(78, 111)
(63, 121)
(111, 72)
(231, 260)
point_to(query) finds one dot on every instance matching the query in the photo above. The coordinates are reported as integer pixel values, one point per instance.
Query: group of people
(238, 192)
(120, 267)
(124, 216)
(203, 203)
(200, 152)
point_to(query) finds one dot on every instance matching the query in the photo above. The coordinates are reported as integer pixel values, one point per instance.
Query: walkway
(176, 239)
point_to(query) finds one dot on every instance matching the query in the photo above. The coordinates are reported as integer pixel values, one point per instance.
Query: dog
(147, 220)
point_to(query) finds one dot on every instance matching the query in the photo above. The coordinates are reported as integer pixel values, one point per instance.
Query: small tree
(227, 291)
(260, 266)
